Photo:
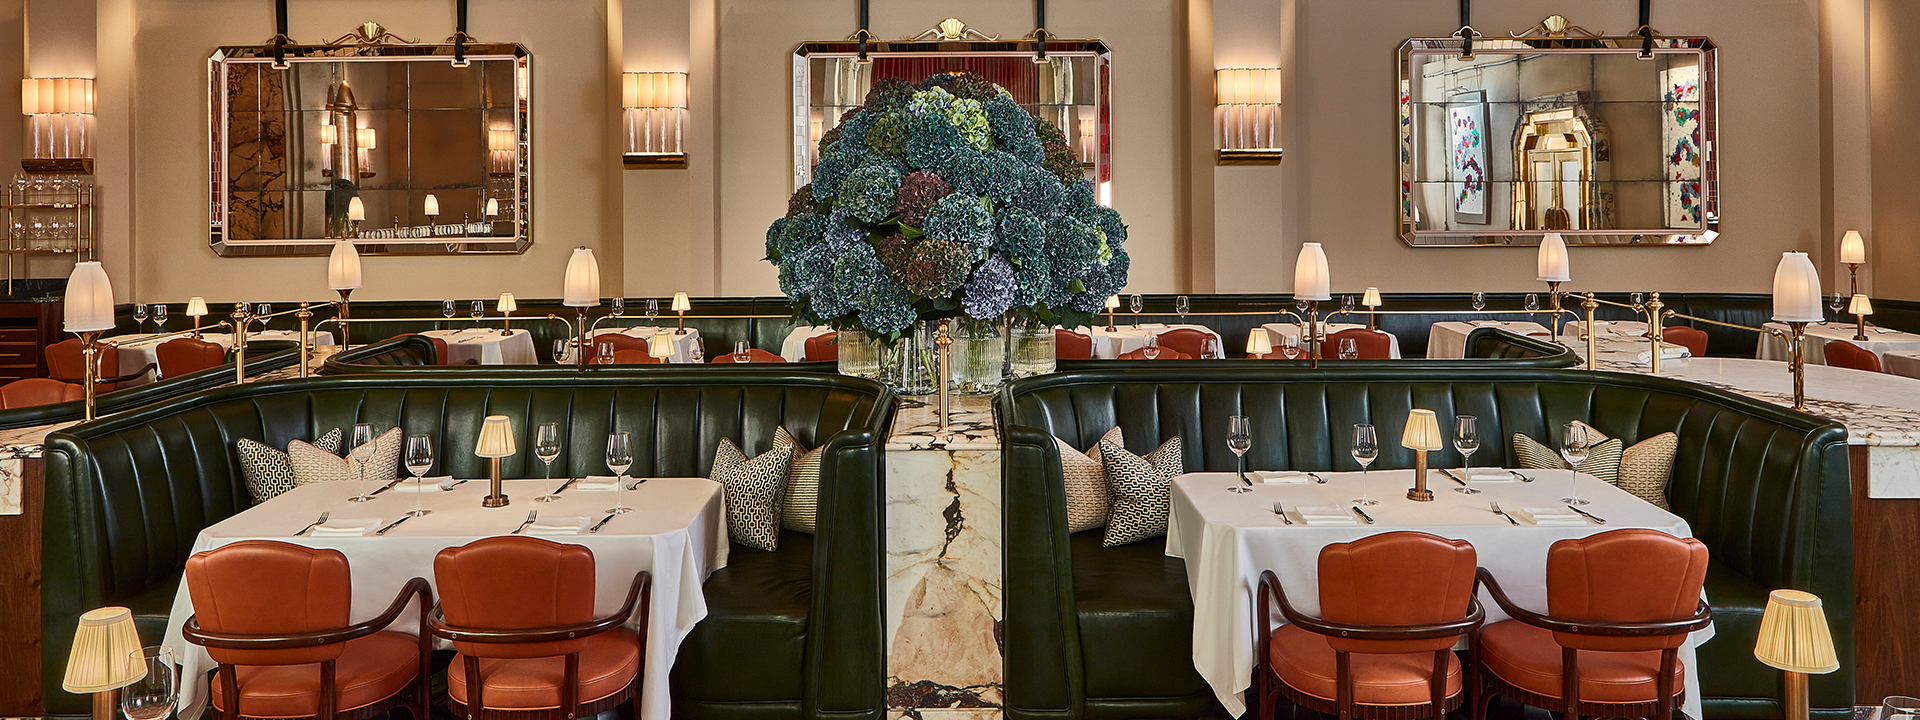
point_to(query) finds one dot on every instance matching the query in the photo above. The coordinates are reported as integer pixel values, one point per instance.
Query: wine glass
(153, 695)
(447, 309)
(1349, 350)
(653, 309)
(619, 458)
(1290, 347)
(1151, 350)
(1533, 302)
(740, 353)
(419, 461)
(1346, 303)
(1240, 440)
(1466, 439)
(560, 350)
(546, 446)
(603, 353)
(1899, 707)
(1479, 301)
(1181, 306)
(479, 312)
(1839, 301)
(1366, 447)
(1135, 304)
(362, 451)
(159, 317)
(140, 316)
(619, 306)
(696, 352)
(1574, 449)
(1210, 347)
(1637, 298)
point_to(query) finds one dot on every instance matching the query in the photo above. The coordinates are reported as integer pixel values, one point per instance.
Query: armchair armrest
(1577, 626)
(137, 374)
(241, 641)
(437, 622)
(1270, 584)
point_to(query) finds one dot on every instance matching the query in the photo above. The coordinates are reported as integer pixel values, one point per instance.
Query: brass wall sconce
(60, 124)
(656, 110)
(1247, 115)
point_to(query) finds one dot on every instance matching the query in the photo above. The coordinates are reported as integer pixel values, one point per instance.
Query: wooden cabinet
(26, 329)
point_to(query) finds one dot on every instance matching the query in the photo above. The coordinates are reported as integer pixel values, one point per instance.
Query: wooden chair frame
(570, 706)
(420, 704)
(1270, 687)
(1569, 703)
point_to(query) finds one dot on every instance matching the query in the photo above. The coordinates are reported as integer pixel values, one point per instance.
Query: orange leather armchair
(1191, 342)
(1371, 344)
(1166, 353)
(64, 363)
(38, 391)
(519, 611)
(274, 615)
(1840, 353)
(619, 341)
(824, 347)
(1070, 345)
(180, 356)
(1694, 340)
(1391, 607)
(635, 357)
(754, 355)
(1619, 605)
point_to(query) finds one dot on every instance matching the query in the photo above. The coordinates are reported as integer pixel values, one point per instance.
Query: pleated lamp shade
(1371, 298)
(1423, 431)
(1113, 302)
(196, 306)
(583, 279)
(343, 266)
(102, 653)
(681, 303)
(1311, 278)
(89, 300)
(1796, 289)
(507, 303)
(496, 437)
(1860, 306)
(660, 346)
(1258, 343)
(1794, 635)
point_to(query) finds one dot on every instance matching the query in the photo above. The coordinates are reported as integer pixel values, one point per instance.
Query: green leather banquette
(1093, 632)
(262, 357)
(792, 634)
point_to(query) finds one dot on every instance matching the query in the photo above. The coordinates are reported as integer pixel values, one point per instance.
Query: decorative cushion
(1603, 459)
(753, 489)
(1086, 484)
(312, 464)
(1646, 467)
(268, 470)
(801, 501)
(1140, 489)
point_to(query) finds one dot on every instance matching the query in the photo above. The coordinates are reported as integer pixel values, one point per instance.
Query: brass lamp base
(1419, 491)
(495, 498)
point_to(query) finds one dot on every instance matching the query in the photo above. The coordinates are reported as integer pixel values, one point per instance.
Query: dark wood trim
(1886, 570)
(20, 585)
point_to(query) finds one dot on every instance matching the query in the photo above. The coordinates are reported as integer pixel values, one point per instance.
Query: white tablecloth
(1127, 338)
(678, 532)
(1901, 362)
(794, 348)
(487, 345)
(1880, 341)
(1275, 331)
(139, 349)
(1448, 340)
(682, 344)
(1617, 344)
(1228, 538)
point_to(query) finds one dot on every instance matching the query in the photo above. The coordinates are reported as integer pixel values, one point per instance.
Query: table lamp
(1796, 302)
(196, 309)
(88, 312)
(1794, 638)
(1422, 435)
(1853, 253)
(681, 305)
(1371, 299)
(1861, 307)
(356, 213)
(582, 291)
(660, 346)
(1112, 304)
(493, 209)
(343, 276)
(1258, 344)
(496, 441)
(1312, 282)
(432, 209)
(1554, 268)
(506, 306)
(98, 663)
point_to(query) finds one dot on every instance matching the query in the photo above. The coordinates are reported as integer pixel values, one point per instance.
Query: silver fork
(1502, 513)
(316, 523)
(531, 514)
(1282, 512)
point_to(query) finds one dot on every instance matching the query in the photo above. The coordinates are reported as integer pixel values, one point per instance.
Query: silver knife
(395, 524)
(455, 484)
(1590, 516)
(563, 486)
(1523, 478)
(1316, 477)
(1363, 514)
(1451, 476)
(386, 487)
(603, 523)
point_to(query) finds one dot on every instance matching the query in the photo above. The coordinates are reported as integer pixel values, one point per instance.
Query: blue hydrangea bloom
(1021, 234)
(836, 162)
(799, 232)
(1073, 247)
(868, 193)
(888, 307)
(932, 143)
(961, 218)
(1034, 280)
(990, 292)
(1010, 122)
(1108, 220)
(854, 126)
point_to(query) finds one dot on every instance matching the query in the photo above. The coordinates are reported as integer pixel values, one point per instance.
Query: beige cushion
(1646, 467)
(753, 489)
(800, 502)
(312, 464)
(1086, 484)
(1603, 459)
(268, 470)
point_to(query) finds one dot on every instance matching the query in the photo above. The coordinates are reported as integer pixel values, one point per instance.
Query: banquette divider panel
(1765, 488)
(126, 496)
(263, 357)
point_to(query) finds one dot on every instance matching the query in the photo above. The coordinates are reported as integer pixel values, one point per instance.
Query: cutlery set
(1280, 510)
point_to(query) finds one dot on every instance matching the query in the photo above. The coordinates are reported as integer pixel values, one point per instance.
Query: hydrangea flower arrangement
(941, 200)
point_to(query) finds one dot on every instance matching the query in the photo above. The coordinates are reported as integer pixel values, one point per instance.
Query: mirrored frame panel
(1577, 135)
(1070, 88)
(389, 125)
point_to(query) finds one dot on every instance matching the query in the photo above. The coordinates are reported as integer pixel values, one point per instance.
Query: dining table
(1619, 341)
(487, 346)
(677, 531)
(1125, 338)
(1448, 340)
(1277, 331)
(1880, 341)
(138, 349)
(1905, 363)
(1228, 538)
(683, 343)
(794, 347)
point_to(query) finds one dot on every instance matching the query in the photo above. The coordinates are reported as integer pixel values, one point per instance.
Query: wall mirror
(432, 154)
(1069, 88)
(1592, 137)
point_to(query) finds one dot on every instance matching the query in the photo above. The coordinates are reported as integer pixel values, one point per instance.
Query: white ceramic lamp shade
(1794, 635)
(583, 280)
(1423, 431)
(1311, 278)
(89, 300)
(196, 306)
(681, 303)
(1552, 263)
(102, 649)
(1796, 289)
(432, 208)
(493, 207)
(496, 437)
(356, 209)
(1853, 248)
(343, 266)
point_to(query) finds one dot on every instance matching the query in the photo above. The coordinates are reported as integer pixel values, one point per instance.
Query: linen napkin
(1667, 352)
(425, 484)
(595, 483)
(1280, 477)
(1486, 475)
(1325, 515)
(345, 527)
(564, 525)
(1549, 515)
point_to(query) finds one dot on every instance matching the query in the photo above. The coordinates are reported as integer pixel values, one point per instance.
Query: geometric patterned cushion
(800, 504)
(313, 464)
(1603, 458)
(753, 489)
(1141, 490)
(1646, 467)
(267, 470)
(1085, 479)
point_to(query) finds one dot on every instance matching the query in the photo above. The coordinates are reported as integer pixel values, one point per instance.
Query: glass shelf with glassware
(47, 214)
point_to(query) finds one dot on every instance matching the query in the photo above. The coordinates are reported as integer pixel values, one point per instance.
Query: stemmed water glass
(1479, 301)
(1366, 447)
(1240, 440)
(619, 307)
(1151, 350)
(361, 452)
(1349, 350)
(604, 354)
(1574, 449)
(697, 353)
(1135, 304)
(419, 461)
(546, 446)
(653, 309)
(140, 316)
(159, 317)
(619, 458)
(1346, 303)
(152, 696)
(1466, 439)
(1839, 301)
(1181, 306)
(479, 312)
(447, 309)
(1290, 347)
(740, 352)
(1211, 348)
(1533, 302)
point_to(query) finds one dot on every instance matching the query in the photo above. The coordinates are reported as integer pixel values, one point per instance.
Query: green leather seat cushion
(1738, 602)
(152, 607)
(749, 647)
(1136, 619)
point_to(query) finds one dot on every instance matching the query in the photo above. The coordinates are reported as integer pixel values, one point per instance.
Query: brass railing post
(306, 337)
(239, 342)
(90, 376)
(1593, 343)
(1655, 329)
(1313, 333)
(943, 340)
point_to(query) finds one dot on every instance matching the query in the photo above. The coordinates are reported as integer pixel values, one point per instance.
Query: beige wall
(1894, 246)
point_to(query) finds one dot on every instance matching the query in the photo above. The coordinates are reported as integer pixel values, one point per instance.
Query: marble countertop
(916, 422)
(1877, 408)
